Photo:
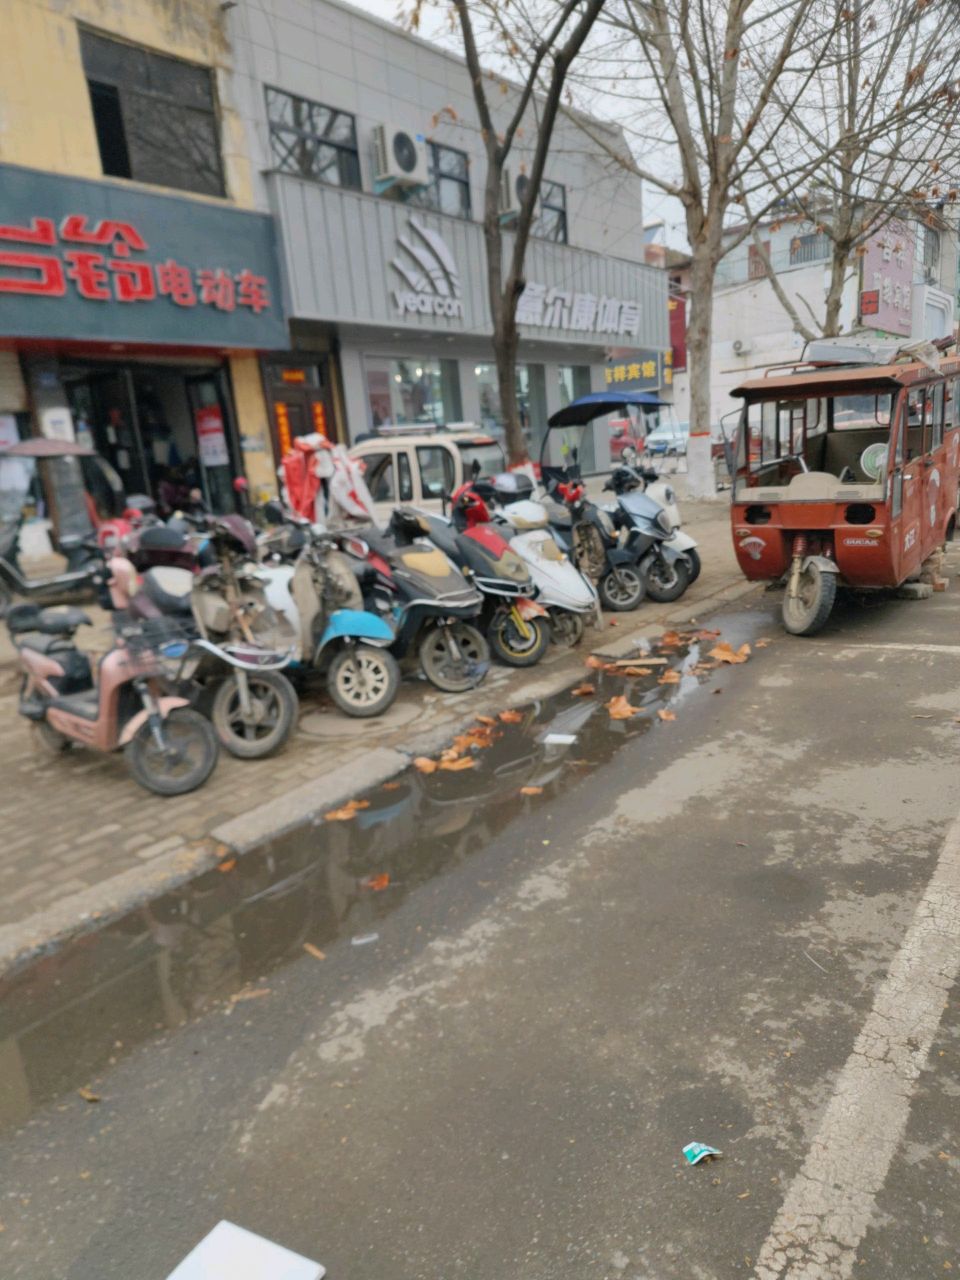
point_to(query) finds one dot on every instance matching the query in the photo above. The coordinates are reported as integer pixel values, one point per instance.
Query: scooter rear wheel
(667, 582)
(274, 715)
(621, 589)
(363, 680)
(442, 668)
(566, 628)
(190, 753)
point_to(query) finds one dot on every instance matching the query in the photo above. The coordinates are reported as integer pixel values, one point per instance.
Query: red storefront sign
(677, 315)
(93, 261)
(211, 436)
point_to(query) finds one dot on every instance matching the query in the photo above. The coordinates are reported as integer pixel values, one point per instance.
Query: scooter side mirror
(273, 512)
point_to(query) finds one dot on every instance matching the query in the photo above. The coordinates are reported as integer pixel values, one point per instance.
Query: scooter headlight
(669, 496)
(663, 520)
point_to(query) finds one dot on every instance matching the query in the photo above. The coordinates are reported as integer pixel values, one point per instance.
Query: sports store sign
(95, 261)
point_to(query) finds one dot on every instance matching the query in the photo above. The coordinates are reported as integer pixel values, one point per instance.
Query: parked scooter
(169, 748)
(407, 579)
(649, 481)
(320, 598)
(671, 561)
(588, 535)
(517, 626)
(568, 595)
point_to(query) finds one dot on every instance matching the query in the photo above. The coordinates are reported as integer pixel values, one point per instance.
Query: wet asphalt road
(679, 939)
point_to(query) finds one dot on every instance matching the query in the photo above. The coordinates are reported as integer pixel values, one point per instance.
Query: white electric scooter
(568, 595)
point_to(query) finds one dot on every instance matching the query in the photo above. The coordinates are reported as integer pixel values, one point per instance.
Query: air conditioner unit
(742, 346)
(512, 193)
(400, 157)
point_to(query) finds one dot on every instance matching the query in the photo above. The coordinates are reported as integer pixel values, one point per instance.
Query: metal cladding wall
(339, 249)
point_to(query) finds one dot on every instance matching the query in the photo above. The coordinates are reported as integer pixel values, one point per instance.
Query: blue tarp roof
(599, 403)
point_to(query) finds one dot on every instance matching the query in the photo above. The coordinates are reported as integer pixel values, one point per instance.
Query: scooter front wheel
(269, 722)
(363, 680)
(511, 646)
(622, 589)
(184, 760)
(566, 628)
(693, 557)
(667, 582)
(454, 671)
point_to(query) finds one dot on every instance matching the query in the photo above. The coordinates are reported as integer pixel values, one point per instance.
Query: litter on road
(697, 1151)
(230, 1252)
(363, 939)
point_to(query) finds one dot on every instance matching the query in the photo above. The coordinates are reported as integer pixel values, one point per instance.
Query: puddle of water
(72, 1014)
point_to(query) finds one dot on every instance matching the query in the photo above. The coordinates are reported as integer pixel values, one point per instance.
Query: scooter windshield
(638, 504)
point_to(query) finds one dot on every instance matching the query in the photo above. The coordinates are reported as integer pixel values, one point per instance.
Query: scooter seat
(41, 643)
(561, 519)
(169, 589)
(52, 622)
(160, 538)
(444, 536)
(85, 704)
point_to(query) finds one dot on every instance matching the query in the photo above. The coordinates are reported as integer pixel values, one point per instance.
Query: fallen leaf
(314, 951)
(670, 639)
(391, 786)
(511, 717)
(449, 755)
(454, 766)
(744, 1195)
(376, 883)
(228, 864)
(707, 635)
(595, 663)
(346, 814)
(638, 671)
(584, 690)
(669, 677)
(88, 1095)
(85, 1174)
(620, 708)
(254, 994)
(613, 623)
(531, 791)
(667, 715)
(425, 765)
(716, 691)
(725, 653)
(488, 720)
(761, 644)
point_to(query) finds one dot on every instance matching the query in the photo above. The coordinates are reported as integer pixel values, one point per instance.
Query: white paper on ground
(559, 739)
(233, 1253)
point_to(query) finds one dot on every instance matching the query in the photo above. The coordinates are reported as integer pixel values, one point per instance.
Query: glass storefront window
(574, 382)
(531, 401)
(412, 390)
(491, 413)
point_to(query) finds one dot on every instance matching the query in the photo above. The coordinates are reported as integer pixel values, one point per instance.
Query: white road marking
(830, 1203)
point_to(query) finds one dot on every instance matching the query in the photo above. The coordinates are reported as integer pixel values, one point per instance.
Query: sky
(656, 205)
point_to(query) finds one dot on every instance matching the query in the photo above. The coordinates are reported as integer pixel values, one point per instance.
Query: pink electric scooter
(169, 748)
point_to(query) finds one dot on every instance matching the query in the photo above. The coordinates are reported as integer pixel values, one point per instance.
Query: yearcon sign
(96, 261)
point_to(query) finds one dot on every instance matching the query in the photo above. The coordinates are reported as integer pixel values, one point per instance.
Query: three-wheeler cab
(846, 475)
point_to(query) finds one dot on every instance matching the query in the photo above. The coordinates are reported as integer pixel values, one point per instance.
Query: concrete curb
(102, 903)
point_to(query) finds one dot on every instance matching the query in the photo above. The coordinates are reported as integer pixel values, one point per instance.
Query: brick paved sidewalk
(70, 822)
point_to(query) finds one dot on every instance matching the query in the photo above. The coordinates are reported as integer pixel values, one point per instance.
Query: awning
(599, 403)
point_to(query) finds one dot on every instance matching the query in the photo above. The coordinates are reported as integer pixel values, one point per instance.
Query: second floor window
(927, 248)
(809, 248)
(449, 187)
(551, 223)
(313, 141)
(154, 116)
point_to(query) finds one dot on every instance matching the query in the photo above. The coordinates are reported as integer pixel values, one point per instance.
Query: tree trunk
(839, 264)
(700, 476)
(506, 340)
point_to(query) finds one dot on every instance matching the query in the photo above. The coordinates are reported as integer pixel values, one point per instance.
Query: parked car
(419, 467)
(624, 435)
(668, 440)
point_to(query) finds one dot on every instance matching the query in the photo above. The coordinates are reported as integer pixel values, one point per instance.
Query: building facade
(365, 147)
(139, 286)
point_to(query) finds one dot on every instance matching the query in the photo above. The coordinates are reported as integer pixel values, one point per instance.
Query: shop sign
(579, 312)
(211, 436)
(888, 275)
(677, 316)
(425, 264)
(89, 260)
(638, 370)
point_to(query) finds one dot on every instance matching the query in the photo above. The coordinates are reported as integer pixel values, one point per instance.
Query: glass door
(211, 424)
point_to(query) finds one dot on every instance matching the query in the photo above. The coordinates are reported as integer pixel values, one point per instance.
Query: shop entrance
(300, 399)
(166, 429)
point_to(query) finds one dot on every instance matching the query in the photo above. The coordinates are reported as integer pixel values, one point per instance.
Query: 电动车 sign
(90, 260)
(638, 370)
(577, 312)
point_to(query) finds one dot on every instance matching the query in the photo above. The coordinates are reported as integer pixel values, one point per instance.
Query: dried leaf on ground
(251, 994)
(613, 623)
(314, 951)
(620, 708)
(376, 883)
(667, 715)
(638, 671)
(88, 1095)
(454, 766)
(761, 644)
(423, 764)
(669, 677)
(531, 791)
(707, 635)
(670, 639)
(595, 663)
(584, 690)
(724, 652)
(347, 811)
(487, 720)
(511, 717)
(228, 864)
(392, 786)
